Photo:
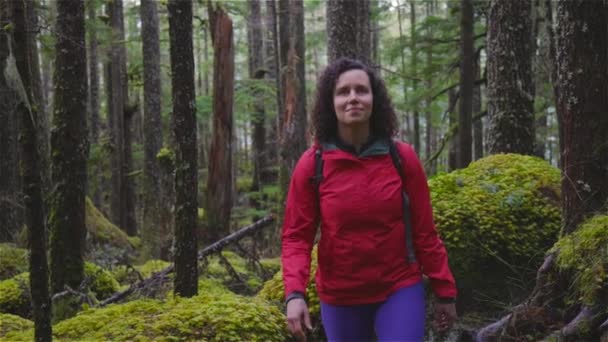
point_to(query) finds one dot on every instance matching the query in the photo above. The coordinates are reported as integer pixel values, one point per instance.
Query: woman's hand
(298, 318)
(445, 316)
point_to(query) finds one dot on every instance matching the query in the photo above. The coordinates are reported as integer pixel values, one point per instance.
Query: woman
(369, 282)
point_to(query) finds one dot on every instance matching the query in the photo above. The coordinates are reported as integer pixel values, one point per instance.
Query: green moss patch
(584, 253)
(102, 232)
(15, 295)
(13, 260)
(11, 323)
(250, 280)
(214, 315)
(500, 212)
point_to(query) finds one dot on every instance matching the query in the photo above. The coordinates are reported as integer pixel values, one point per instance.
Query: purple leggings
(400, 318)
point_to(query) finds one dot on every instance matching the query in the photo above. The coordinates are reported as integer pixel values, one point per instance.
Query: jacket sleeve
(430, 250)
(299, 225)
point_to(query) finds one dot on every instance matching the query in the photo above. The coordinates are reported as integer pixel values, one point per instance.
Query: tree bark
(94, 97)
(348, 30)
(414, 63)
(453, 127)
(272, 62)
(406, 133)
(10, 203)
(184, 113)
(428, 115)
(27, 110)
(467, 74)
(582, 57)
(69, 149)
(257, 71)
(510, 82)
(116, 113)
(478, 122)
(152, 230)
(219, 182)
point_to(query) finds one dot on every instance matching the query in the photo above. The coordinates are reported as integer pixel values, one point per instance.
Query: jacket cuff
(293, 295)
(446, 300)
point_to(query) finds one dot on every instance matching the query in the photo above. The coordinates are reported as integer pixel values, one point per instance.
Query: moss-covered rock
(106, 243)
(584, 254)
(214, 315)
(11, 323)
(15, 295)
(13, 260)
(498, 216)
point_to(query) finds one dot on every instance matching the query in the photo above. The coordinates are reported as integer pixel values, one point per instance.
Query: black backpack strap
(318, 177)
(407, 217)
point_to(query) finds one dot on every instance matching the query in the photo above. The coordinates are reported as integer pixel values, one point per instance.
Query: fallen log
(216, 247)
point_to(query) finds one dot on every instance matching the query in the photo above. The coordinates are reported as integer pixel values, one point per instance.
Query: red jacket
(361, 253)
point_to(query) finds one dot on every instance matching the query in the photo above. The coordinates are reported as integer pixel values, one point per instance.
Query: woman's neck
(355, 136)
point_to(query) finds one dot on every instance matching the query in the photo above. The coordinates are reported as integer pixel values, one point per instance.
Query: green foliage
(103, 284)
(584, 253)
(214, 315)
(497, 216)
(12, 323)
(13, 260)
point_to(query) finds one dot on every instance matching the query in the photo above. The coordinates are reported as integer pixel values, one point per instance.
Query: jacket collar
(373, 147)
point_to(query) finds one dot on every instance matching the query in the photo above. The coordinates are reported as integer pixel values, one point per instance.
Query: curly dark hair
(383, 121)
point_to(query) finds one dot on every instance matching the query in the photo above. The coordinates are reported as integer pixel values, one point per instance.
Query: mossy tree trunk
(272, 64)
(414, 71)
(28, 112)
(581, 88)
(69, 149)
(582, 103)
(510, 77)
(219, 181)
(184, 115)
(10, 206)
(153, 136)
(257, 70)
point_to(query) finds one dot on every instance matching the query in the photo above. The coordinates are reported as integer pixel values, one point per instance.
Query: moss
(214, 315)
(13, 260)
(103, 284)
(11, 323)
(102, 231)
(15, 296)
(584, 253)
(498, 215)
(151, 267)
(216, 270)
(272, 265)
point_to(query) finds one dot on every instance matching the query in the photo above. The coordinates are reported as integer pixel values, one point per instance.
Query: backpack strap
(318, 177)
(407, 219)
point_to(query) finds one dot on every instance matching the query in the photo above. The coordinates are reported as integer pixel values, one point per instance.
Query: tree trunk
(543, 64)
(152, 230)
(10, 202)
(283, 16)
(272, 62)
(128, 183)
(428, 115)
(414, 63)
(94, 99)
(510, 86)
(348, 30)
(453, 129)
(69, 149)
(375, 34)
(256, 71)
(467, 74)
(184, 113)
(406, 135)
(219, 182)
(27, 110)
(582, 46)
(478, 122)
(116, 113)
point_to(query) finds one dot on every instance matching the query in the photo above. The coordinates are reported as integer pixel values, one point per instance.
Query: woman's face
(353, 98)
